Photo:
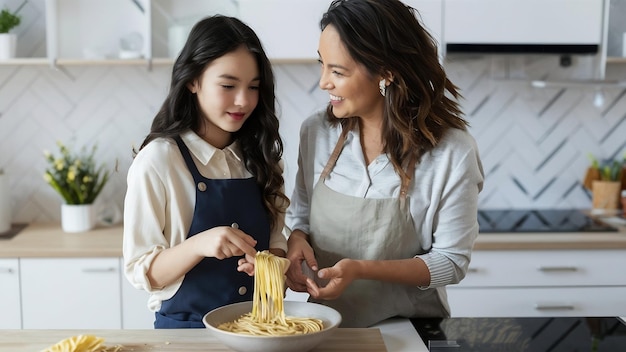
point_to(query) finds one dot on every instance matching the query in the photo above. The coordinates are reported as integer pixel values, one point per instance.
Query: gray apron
(343, 226)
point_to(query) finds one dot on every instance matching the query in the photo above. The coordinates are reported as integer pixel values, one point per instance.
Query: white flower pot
(8, 43)
(77, 217)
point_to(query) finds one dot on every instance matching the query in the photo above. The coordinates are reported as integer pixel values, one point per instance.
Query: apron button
(243, 290)
(201, 186)
(234, 225)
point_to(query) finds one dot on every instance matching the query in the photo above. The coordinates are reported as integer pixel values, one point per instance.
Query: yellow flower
(71, 176)
(75, 175)
(59, 164)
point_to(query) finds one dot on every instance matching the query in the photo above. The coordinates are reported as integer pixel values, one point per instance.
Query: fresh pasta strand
(82, 343)
(268, 314)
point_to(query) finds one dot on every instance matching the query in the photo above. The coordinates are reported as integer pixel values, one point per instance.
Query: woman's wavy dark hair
(385, 36)
(259, 138)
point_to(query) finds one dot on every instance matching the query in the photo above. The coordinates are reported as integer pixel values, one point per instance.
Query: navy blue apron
(213, 283)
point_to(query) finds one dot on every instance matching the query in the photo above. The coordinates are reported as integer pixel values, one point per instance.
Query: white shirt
(160, 201)
(443, 194)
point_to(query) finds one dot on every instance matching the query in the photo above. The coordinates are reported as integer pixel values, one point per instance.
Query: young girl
(205, 191)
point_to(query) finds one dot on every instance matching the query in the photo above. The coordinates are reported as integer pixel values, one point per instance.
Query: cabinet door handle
(473, 270)
(539, 306)
(6, 270)
(99, 270)
(547, 269)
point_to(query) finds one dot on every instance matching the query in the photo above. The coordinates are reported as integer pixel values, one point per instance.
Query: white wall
(533, 142)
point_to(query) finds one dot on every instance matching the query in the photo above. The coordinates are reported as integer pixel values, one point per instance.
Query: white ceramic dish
(292, 343)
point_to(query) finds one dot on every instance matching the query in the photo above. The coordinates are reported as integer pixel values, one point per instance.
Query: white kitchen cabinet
(430, 15)
(291, 29)
(528, 22)
(10, 286)
(91, 31)
(537, 302)
(171, 21)
(542, 283)
(138, 31)
(135, 312)
(71, 293)
(98, 30)
(288, 29)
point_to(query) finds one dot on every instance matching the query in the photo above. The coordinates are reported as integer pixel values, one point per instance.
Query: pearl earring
(382, 87)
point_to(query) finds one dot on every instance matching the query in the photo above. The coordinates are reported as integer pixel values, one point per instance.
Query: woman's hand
(338, 276)
(299, 251)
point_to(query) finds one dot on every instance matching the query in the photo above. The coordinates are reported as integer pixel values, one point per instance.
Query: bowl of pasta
(268, 322)
(305, 325)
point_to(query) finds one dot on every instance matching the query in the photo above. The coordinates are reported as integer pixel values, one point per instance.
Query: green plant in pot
(605, 179)
(8, 21)
(78, 179)
(75, 176)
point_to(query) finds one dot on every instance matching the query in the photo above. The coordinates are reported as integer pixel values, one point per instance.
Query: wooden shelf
(90, 62)
(616, 60)
(162, 61)
(25, 61)
(79, 62)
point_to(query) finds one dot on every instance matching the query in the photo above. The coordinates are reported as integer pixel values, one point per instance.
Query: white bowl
(291, 343)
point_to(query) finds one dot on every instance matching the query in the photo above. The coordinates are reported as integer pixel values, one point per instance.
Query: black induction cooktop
(539, 220)
(561, 334)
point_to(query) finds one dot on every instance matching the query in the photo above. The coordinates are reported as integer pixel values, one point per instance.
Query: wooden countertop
(343, 340)
(48, 240)
(556, 241)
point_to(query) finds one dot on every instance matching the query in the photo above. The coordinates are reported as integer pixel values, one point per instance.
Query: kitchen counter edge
(45, 240)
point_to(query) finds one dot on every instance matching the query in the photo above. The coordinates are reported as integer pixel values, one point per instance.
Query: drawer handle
(6, 270)
(99, 270)
(554, 307)
(548, 269)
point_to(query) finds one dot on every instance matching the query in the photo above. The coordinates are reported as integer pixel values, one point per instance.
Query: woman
(385, 203)
(206, 186)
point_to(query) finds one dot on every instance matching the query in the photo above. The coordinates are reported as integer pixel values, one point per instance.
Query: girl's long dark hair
(386, 36)
(259, 138)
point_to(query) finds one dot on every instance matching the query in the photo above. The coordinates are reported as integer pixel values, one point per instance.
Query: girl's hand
(246, 265)
(224, 242)
(339, 277)
(299, 252)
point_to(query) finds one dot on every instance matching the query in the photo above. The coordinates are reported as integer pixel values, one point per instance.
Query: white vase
(8, 43)
(77, 217)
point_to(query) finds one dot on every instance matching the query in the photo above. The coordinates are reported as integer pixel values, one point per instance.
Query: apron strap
(197, 177)
(410, 168)
(335, 155)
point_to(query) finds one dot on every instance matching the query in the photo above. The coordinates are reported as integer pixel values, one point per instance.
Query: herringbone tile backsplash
(534, 142)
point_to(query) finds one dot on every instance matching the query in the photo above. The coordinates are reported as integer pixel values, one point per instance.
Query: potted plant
(8, 21)
(78, 180)
(605, 179)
